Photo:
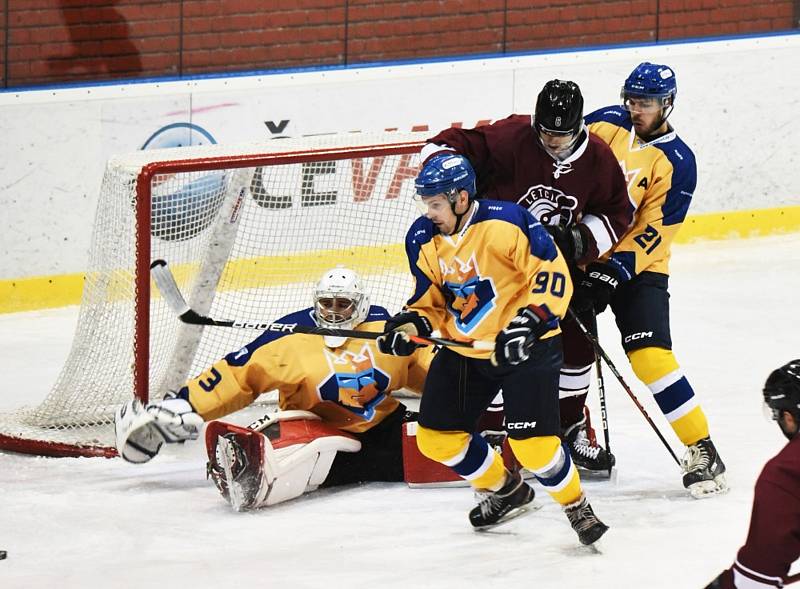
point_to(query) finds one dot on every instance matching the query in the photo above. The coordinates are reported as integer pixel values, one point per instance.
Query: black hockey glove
(595, 288)
(570, 240)
(512, 346)
(395, 340)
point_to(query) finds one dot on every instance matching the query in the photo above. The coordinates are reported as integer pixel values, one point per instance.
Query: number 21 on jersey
(649, 239)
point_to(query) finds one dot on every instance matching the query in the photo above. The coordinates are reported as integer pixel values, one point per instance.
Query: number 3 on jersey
(554, 281)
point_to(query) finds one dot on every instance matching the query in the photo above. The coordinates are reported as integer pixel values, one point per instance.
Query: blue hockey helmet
(651, 80)
(446, 173)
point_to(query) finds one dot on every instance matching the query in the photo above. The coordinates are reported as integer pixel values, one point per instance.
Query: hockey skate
(584, 521)
(513, 500)
(586, 453)
(704, 471)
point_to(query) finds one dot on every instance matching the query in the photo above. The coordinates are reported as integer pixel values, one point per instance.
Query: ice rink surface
(85, 523)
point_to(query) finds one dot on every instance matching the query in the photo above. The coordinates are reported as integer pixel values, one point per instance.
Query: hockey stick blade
(168, 288)
(165, 281)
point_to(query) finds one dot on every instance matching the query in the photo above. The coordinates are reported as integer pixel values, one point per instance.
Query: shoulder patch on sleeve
(615, 115)
(377, 313)
(241, 356)
(541, 244)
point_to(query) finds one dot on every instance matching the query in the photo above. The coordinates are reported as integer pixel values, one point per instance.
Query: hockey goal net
(247, 232)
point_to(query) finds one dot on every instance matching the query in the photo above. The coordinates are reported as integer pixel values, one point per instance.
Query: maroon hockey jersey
(773, 542)
(511, 164)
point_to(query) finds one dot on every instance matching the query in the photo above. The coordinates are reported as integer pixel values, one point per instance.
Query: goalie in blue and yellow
(338, 422)
(488, 270)
(661, 173)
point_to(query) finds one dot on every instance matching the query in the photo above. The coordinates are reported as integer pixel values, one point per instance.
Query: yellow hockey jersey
(349, 387)
(661, 176)
(471, 284)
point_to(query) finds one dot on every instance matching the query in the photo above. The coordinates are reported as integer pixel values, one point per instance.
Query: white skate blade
(512, 515)
(235, 494)
(707, 489)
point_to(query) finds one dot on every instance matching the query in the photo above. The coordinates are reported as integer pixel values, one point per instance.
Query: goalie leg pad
(280, 463)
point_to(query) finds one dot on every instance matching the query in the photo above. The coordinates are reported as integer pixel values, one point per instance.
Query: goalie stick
(168, 288)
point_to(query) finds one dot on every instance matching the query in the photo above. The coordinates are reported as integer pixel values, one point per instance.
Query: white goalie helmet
(340, 302)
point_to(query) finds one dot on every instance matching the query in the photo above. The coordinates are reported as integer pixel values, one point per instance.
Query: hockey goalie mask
(340, 302)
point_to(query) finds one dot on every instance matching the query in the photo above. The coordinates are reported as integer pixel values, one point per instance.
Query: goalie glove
(513, 345)
(395, 340)
(141, 430)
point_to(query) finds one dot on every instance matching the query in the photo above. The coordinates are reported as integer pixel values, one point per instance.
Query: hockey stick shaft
(624, 385)
(169, 290)
(601, 393)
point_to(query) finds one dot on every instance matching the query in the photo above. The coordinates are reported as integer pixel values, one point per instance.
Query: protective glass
(431, 205)
(643, 104)
(555, 139)
(769, 413)
(558, 144)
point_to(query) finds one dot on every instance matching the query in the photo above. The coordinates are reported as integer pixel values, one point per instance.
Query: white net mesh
(243, 242)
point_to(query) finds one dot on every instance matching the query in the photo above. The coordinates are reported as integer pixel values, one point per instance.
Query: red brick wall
(50, 41)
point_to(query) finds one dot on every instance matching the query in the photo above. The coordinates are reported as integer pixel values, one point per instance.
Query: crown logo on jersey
(463, 278)
(354, 381)
(471, 296)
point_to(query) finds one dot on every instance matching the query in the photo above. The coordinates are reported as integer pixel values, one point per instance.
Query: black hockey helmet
(559, 108)
(782, 389)
(782, 393)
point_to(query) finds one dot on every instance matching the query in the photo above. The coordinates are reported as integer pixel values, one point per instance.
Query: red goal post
(247, 230)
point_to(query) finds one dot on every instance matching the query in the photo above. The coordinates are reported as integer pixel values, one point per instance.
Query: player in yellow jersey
(488, 270)
(661, 174)
(338, 422)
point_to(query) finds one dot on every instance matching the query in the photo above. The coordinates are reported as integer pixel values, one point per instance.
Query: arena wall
(51, 41)
(734, 108)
